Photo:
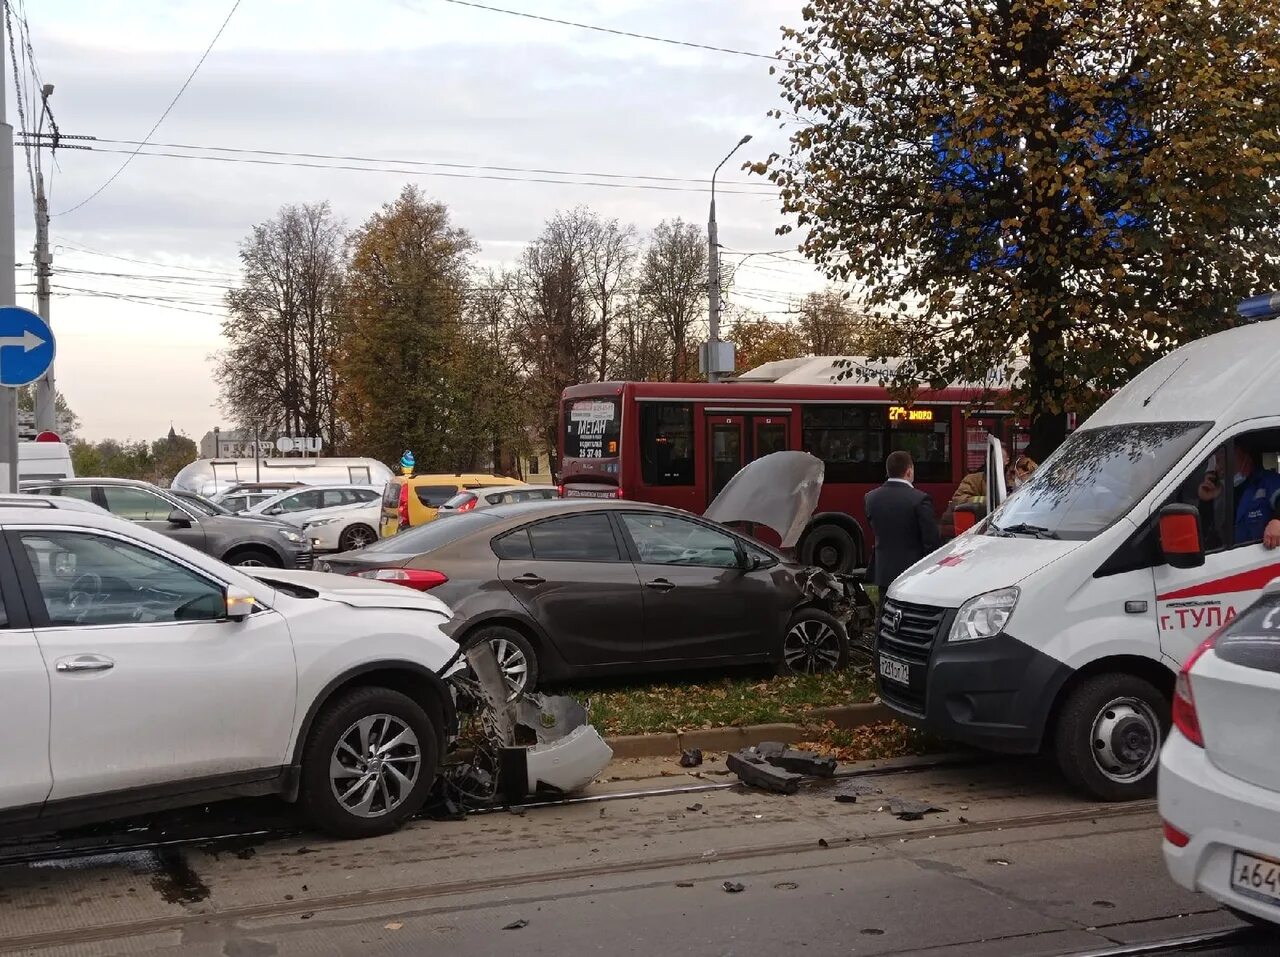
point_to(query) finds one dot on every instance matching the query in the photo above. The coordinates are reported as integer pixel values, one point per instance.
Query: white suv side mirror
(239, 603)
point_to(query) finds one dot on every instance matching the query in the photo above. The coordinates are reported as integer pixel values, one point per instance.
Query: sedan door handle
(85, 663)
(660, 584)
(529, 578)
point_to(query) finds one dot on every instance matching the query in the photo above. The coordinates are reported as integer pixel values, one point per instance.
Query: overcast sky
(395, 80)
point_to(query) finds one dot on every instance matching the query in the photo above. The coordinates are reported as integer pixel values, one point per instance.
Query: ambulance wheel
(1108, 736)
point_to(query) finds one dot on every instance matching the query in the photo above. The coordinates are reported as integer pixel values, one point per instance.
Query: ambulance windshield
(1094, 479)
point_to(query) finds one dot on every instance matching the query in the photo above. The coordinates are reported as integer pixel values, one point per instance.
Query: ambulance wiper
(1022, 528)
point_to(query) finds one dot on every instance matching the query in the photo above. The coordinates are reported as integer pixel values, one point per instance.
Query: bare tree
(641, 347)
(826, 323)
(278, 370)
(610, 266)
(557, 331)
(673, 286)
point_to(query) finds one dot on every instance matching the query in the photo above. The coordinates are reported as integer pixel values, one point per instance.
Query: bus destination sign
(898, 413)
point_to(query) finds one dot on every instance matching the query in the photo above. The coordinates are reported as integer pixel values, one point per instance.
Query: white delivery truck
(1060, 621)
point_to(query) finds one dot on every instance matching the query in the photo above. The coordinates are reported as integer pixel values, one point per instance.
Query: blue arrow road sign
(26, 346)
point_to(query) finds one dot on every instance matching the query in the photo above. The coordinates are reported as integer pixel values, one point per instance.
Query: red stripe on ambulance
(1254, 579)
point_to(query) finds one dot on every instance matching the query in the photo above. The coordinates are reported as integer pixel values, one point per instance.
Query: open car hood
(356, 592)
(779, 491)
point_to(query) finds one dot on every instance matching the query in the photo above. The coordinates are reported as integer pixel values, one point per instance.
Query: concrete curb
(731, 739)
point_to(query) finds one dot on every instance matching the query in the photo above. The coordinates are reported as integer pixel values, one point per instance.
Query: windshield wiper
(1022, 528)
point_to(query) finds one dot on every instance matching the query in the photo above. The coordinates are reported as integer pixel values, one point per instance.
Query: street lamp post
(713, 275)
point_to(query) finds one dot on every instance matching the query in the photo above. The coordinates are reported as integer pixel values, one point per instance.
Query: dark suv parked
(235, 540)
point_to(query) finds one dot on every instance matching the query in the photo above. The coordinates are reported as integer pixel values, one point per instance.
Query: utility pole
(46, 393)
(712, 352)
(8, 290)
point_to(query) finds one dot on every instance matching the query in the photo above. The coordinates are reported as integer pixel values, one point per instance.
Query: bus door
(736, 438)
(727, 441)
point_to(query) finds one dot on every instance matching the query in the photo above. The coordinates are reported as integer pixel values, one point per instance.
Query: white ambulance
(1059, 622)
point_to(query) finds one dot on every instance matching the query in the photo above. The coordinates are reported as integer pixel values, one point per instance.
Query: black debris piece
(850, 791)
(822, 842)
(733, 887)
(516, 924)
(905, 809)
(751, 770)
(803, 762)
(694, 807)
(684, 883)
(691, 758)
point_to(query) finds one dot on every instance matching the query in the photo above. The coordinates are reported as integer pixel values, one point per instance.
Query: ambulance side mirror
(1180, 536)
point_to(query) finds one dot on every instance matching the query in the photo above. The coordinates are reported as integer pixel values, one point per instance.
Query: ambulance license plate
(1256, 877)
(894, 670)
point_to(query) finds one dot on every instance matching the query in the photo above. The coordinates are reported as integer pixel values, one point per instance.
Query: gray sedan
(574, 588)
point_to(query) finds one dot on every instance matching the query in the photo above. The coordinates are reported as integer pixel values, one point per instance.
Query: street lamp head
(47, 91)
(745, 140)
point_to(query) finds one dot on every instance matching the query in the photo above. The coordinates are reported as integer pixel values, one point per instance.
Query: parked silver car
(233, 539)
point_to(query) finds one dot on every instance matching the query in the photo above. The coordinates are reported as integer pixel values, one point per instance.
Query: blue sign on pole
(26, 346)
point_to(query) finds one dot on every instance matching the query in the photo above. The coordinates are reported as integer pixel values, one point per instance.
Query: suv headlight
(290, 535)
(984, 616)
(320, 521)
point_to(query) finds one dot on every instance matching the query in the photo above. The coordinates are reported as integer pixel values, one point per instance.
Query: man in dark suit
(902, 520)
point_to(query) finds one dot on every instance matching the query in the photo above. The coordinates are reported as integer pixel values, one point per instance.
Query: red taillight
(417, 579)
(620, 493)
(560, 491)
(1174, 836)
(1185, 718)
(468, 505)
(403, 508)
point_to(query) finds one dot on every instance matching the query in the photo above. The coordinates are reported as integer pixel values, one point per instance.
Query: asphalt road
(1011, 867)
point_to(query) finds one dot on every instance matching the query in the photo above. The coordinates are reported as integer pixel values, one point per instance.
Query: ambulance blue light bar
(1266, 306)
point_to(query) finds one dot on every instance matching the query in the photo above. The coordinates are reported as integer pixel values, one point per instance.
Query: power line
(19, 96)
(147, 262)
(191, 76)
(419, 172)
(410, 162)
(610, 30)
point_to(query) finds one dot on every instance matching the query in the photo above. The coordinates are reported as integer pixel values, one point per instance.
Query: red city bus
(679, 443)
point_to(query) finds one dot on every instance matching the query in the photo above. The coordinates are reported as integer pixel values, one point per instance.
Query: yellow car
(415, 500)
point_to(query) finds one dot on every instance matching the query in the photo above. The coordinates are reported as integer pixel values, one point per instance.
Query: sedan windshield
(1094, 479)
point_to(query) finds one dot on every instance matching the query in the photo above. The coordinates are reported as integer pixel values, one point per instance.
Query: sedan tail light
(415, 578)
(468, 505)
(1185, 718)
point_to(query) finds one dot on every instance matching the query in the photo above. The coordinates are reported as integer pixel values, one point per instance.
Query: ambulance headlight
(984, 616)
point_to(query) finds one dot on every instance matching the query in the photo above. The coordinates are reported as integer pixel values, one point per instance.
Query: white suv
(137, 673)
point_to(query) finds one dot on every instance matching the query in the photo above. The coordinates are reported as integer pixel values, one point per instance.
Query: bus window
(930, 450)
(591, 428)
(726, 454)
(848, 438)
(770, 437)
(666, 443)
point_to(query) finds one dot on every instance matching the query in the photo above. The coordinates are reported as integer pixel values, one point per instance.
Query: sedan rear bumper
(1221, 814)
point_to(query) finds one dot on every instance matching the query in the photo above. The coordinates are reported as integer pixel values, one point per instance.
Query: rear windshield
(1253, 639)
(592, 427)
(433, 535)
(433, 496)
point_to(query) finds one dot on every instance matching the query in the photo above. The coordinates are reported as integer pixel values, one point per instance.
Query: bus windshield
(1094, 479)
(592, 427)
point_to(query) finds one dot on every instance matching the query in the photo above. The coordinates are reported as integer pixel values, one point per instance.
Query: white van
(208, 477)
(41, 461)
(1060, 621)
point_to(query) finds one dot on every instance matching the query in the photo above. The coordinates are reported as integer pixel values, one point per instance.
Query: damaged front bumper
(520, 745)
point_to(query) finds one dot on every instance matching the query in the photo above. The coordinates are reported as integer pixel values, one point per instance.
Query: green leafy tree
(67, 421)
(402, 325)
(1056, 191)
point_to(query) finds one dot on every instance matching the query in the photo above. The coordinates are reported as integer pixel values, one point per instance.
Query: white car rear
(470, 499)
(1220, 770)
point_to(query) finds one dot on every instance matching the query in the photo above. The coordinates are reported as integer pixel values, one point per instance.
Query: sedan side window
(136, 504)
(667, 540)
(88, 579)
(575, 538)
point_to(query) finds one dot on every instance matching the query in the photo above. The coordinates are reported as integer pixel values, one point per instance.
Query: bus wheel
(829, 547)
(1109, 734)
